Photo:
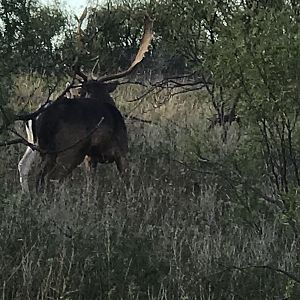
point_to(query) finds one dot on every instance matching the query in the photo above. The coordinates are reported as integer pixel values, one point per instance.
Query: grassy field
(184, 229)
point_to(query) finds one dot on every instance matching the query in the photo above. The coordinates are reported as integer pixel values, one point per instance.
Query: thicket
(213, 207)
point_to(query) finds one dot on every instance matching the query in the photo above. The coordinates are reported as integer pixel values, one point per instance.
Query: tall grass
(178, 231)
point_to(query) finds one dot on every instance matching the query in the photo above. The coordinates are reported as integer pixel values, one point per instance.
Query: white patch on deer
(27, 160)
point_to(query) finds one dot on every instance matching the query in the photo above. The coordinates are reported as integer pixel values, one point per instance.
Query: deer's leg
(123, 168)
(90, 163)
(24, 167)
(49, 163)
(56, 168)
(122, 164)
(65, 164)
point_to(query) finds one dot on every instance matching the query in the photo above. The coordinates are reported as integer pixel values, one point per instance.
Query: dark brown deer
(68, 130)
(30, 155)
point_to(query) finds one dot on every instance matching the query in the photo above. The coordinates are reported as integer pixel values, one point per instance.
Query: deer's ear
(111, 86)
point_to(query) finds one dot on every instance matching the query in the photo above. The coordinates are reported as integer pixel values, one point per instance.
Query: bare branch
(22, 140)
(150, 90)
(187, 91)
(133, 83)
(268, 267)
(172, 83)
(34, 114)
(140, 120)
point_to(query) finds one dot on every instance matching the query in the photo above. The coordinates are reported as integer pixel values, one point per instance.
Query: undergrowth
(186, 228)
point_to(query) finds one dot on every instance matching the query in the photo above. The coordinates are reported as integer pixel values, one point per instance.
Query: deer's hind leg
(123, 168)
(24, 168)
(65, 163)
(48, 163)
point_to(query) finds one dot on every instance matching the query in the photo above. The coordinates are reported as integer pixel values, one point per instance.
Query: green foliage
(30, 36)
(256, 51)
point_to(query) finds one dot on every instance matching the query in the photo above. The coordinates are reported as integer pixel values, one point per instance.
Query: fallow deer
(66, 131)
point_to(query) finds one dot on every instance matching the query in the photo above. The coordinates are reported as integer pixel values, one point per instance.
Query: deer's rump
(71, 129)
(82, 121)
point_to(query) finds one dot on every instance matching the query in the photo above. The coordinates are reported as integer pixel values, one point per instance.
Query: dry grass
(177, 233)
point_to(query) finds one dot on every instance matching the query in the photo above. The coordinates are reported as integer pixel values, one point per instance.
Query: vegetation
(212, 211)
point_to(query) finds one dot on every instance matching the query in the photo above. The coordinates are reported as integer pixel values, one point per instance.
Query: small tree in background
(30, 36)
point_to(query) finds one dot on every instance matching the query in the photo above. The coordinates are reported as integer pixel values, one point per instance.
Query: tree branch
(268, 267)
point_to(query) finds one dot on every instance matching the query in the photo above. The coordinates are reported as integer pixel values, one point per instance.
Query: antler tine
(145, 42)
(80, 45)
(94, 68)
(78, 72)
(80, 21)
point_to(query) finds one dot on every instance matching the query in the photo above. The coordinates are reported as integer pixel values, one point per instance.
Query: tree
(30, 35)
